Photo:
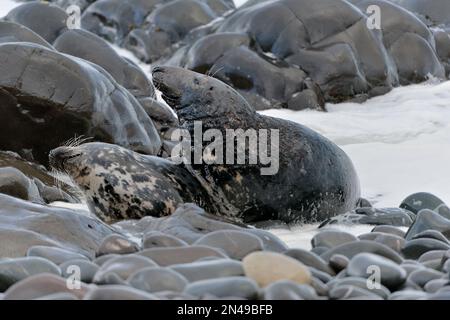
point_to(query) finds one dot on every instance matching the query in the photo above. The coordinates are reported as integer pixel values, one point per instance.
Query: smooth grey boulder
(54, 254)
(213, 269)
(155, 279)
(224, 287)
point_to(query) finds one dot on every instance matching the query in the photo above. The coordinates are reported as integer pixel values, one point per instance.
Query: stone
(408, 295)
(16, 184)
(202, 270)
(429, 220)
(361, 283)
(14, 32)
(224, 287)
(420, 201)
(59, 296)
(309, 259)
(103, 259)
(235, 244)
(351, 249)
(346, 292)
(415, 248)
(394, 242)
(432, 255)
(116, 244)
(268, 267)
(391, 274)
(123, 266)
(156, 239)
(118, 292)
(15, 270)
(41, 285)
(178, 255)
(422, 276)
(435, 285)
(156, 279)
(338, 262)
(431, 234)
(54, 254)
(87, 269)
(389, 230)
(331, 238)
(288, 290)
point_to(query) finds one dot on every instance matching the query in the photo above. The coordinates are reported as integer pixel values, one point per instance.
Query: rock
(309, 259)
(103, 259)
(155, 279)
(331, 238)
(54, 254)
(319, 250)
(389, 230)
(24, 225)
(415, 248)
(178, 255)
(224, 287)
(45, 19)
(105, 111)
(14, 183)
(116, 244)
(394, 242)
(351, 249)
(118, 292)
(59, 296)
(156, 239)
(322, 276)
(422, 276)
(338, 262)
(346, 292)
(432, 286)
(123, 266)
(235, 244)
(202, 270)
(431, 234)
(363, 264)
(288, 290)
(361, 283)
(408, 295)
(14, 32)
(432, 255)
(15, 270)
(42, 285)
(268, 267)
(426, 220)
(374, 216)
(434, 12)
(320, 287)
(87, 269)
(86, 45)
(420, 201)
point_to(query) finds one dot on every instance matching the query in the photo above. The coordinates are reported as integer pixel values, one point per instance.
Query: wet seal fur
(316, 179)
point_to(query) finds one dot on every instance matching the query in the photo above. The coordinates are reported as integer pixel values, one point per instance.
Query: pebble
(54, 254)
(319, 250)
(270, 241)
(309, 259)
(351, 249)
(422, 276)
(408, 295)
(320, 287)
(268, 267)
(156, 279)
(421, 200)
(87, 269)
(391, 274)
(346, 292)
(331, 238)
(389, 230)
(224, 287)
(59, 296)
(322, 276)
(415, 248)
(288, 290)
(433, 286)
(156, 239)
(381, 291)
(123, 266)
(432, 255)
(103, 259)
(394, 242)
(15, 270)
(178, 255)
(338, 262)
(118, 292)
(429, 220)
(431, 234)
(42, 285)
(235, 244)
(202, 270)
(116, 244)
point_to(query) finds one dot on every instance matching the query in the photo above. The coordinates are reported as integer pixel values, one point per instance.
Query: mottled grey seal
(315, 180)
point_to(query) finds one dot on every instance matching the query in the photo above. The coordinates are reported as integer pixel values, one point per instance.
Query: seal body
(121, 184)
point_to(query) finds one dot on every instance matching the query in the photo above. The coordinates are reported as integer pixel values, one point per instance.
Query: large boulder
(24, 224)
(47, 98)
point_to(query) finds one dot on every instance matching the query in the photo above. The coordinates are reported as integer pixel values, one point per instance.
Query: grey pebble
(87, 269)
(156, 279)
(422, 276)
(178, 255)
(390, 230)
(394, 242)
(123, 266)
(59, 296)
(156, 239)
(116, 244)
(346, 292)
(310, 259)
(236, 244)
(435, 285)
(408, 295)
(103, 259)
(289, 290)
(241, 287)
(338, 262)
(362, 283)
(54, 254)
(118, 292)
(429, 220)
(415, 248)
(431, 234)
(331, 238)
(202, 270)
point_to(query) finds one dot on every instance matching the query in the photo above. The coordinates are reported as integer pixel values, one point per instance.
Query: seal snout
(59, 156)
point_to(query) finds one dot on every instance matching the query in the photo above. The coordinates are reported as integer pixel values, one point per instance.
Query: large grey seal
(315, 179)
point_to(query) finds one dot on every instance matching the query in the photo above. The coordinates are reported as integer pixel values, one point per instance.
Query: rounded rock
(156, 239)
(155, 279)
(116, 244)
(87, 269)
(123, 266)
(54, 254)
(224, 287)
(331, 238)
(288, 290)
(202, 270)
